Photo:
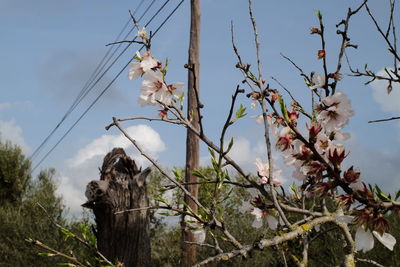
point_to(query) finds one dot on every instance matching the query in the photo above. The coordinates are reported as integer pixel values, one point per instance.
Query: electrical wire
(84, 91)
(109, 85)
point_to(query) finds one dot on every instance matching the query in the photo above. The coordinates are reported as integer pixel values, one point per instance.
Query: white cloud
(10, 130)
(73, 196)
(146, 137)
(388, 103)
(377, 166)
(241, 151)
(84, 166)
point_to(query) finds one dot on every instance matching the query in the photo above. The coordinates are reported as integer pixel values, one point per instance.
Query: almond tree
(325, 194)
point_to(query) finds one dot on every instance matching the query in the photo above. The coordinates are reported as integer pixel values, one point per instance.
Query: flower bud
(314, 30)
(321, 54)
(336, 156)
(345, 200)
(350, 176)
(336, 76)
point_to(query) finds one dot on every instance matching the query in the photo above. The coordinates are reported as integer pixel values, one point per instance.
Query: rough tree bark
(122, 186)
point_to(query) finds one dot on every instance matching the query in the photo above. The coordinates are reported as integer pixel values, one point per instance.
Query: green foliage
(22, 218)
(19, 221)
(14, 173)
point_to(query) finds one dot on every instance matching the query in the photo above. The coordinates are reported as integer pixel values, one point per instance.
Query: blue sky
(50, 48)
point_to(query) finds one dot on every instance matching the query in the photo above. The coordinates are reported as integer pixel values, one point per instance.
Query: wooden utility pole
(192, 141)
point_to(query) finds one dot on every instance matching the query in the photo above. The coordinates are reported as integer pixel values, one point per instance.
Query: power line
(84, 91)
(109, 85)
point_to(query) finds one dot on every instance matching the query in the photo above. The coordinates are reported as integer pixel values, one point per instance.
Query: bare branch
(382, 120)
(370, 262)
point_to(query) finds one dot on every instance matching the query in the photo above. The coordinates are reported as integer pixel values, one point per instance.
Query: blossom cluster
(311, 156)
(154, 90)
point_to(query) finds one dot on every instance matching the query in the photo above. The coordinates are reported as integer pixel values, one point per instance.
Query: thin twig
(308, 80)
(370, 262)
(82, 241)
(125, 41)
(145, 118)
(266, 125)
(382, 120)
(257, 43)
(391, 48)
(345, 40)
(322, 31)
(57, 253)
(291, 96)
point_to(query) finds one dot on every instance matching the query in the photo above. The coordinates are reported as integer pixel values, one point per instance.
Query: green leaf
(67, 264)
(181, 98)
(318, 13)
(177, 173)
(166, 65)
(211, 152)
(397, 195)
(227, 177)
(382, 196)
(66, 233)
(283, 108)
(202, 213)
(162, 189)
(162, 200)
(230, 145)
(241, 112)
(215, 164)
(294, 190)
(199, 174)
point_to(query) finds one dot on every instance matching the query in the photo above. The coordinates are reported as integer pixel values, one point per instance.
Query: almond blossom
(146, 63)
(364, 239)
(260, 216)
(263, 173)
(334, 112)
(285, 139)
(142, 33)
(318, 81)
(154, 90)
(199, 235)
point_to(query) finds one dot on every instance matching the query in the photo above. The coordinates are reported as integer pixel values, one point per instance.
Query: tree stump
(122, 237)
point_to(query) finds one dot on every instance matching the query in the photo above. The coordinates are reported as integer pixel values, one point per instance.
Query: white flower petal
(386, 239)
(257, 223)
(246, 207)
(272, 222)
(364, 240)
(199, 235)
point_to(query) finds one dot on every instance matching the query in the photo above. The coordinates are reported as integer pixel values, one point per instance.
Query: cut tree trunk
(122, 237)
